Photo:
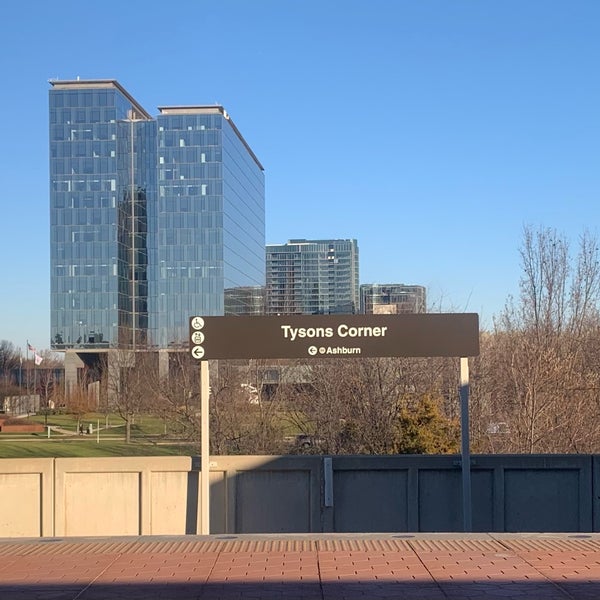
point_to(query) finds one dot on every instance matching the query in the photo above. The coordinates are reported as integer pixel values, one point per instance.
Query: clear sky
(432, 131)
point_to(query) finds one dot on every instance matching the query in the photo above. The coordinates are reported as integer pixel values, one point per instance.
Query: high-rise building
(313, 277)
(392, 298)
(153, 219)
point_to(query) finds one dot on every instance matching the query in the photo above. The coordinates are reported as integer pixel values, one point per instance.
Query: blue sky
(432, 131)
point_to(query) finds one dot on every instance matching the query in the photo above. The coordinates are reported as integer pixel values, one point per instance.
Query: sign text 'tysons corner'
(342, 330)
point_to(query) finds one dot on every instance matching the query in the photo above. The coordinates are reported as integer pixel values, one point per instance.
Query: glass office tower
(152, 219)
(313, 277)
(211, 219)
(392, 298)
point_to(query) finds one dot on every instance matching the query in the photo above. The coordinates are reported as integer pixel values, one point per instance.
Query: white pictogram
(197, 337)
(197, 323)
(198, 352)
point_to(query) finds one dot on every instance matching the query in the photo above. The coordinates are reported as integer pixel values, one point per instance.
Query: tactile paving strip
(457, 545)
(561, 544)
(254, 546)
(53, 546)
(58, 547)
(363, 545)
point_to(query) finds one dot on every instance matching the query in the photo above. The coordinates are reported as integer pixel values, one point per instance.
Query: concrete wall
(423, 493)
(278, 494)
(26, 497)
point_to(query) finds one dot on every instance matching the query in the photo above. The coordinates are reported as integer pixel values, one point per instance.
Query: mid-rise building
(392, 298)
(313, 277)
(152, 218)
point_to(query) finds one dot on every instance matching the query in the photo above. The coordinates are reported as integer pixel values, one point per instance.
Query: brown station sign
(334, 336)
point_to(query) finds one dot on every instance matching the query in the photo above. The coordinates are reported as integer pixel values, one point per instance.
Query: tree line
(534, 387)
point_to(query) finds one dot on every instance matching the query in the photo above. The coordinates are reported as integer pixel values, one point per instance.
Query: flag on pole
(38, 358)
(31, 348)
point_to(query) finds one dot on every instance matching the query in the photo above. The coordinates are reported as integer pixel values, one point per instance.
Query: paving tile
(325, 568)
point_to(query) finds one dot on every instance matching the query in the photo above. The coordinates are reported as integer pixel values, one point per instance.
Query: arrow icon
(198, 352)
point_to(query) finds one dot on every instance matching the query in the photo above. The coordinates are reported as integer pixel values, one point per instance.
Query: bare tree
(46, 380)
(9, 359)
(78, 401)
(376, 406)
(130, 383)
(178, 401)
(242, 420)
(539, 377)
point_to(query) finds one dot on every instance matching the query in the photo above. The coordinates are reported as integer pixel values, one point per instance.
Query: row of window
(200, 237)
(85, 216)
(192, 155)
(85, 98)
(65, 134)
(182, 139)
(88, 270)
(84, 185)
(85, 300)
(191, 171)
(67, 253)
(102, 234)
(191, 188)
(189, 122)
(91, 201)
(177, 254)
(84, 285)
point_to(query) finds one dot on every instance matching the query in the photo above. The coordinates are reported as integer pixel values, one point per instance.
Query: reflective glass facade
(392, 298)
(152, 219)
(313, 277)
(211, 219)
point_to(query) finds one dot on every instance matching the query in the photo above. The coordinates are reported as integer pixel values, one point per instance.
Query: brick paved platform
(307, 567)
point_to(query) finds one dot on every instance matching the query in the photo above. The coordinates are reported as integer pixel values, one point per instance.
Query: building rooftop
(141, 113)
(303, 241)
(82, 84)
(209, 109)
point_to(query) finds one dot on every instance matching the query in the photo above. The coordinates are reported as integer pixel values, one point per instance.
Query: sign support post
(204, 450)
(465, 453)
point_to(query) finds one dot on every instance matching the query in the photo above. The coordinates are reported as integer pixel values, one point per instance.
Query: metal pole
(204, 450)
(27, 369)
(465, 450)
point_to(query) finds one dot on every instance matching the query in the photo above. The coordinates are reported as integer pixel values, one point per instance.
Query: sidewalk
(319, 567)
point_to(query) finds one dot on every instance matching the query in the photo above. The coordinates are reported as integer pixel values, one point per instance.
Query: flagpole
(27, 368)
(33, 403)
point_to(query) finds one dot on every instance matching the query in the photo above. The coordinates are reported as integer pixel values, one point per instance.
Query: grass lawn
(56, 448)
(111, 424)
(146, 432)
